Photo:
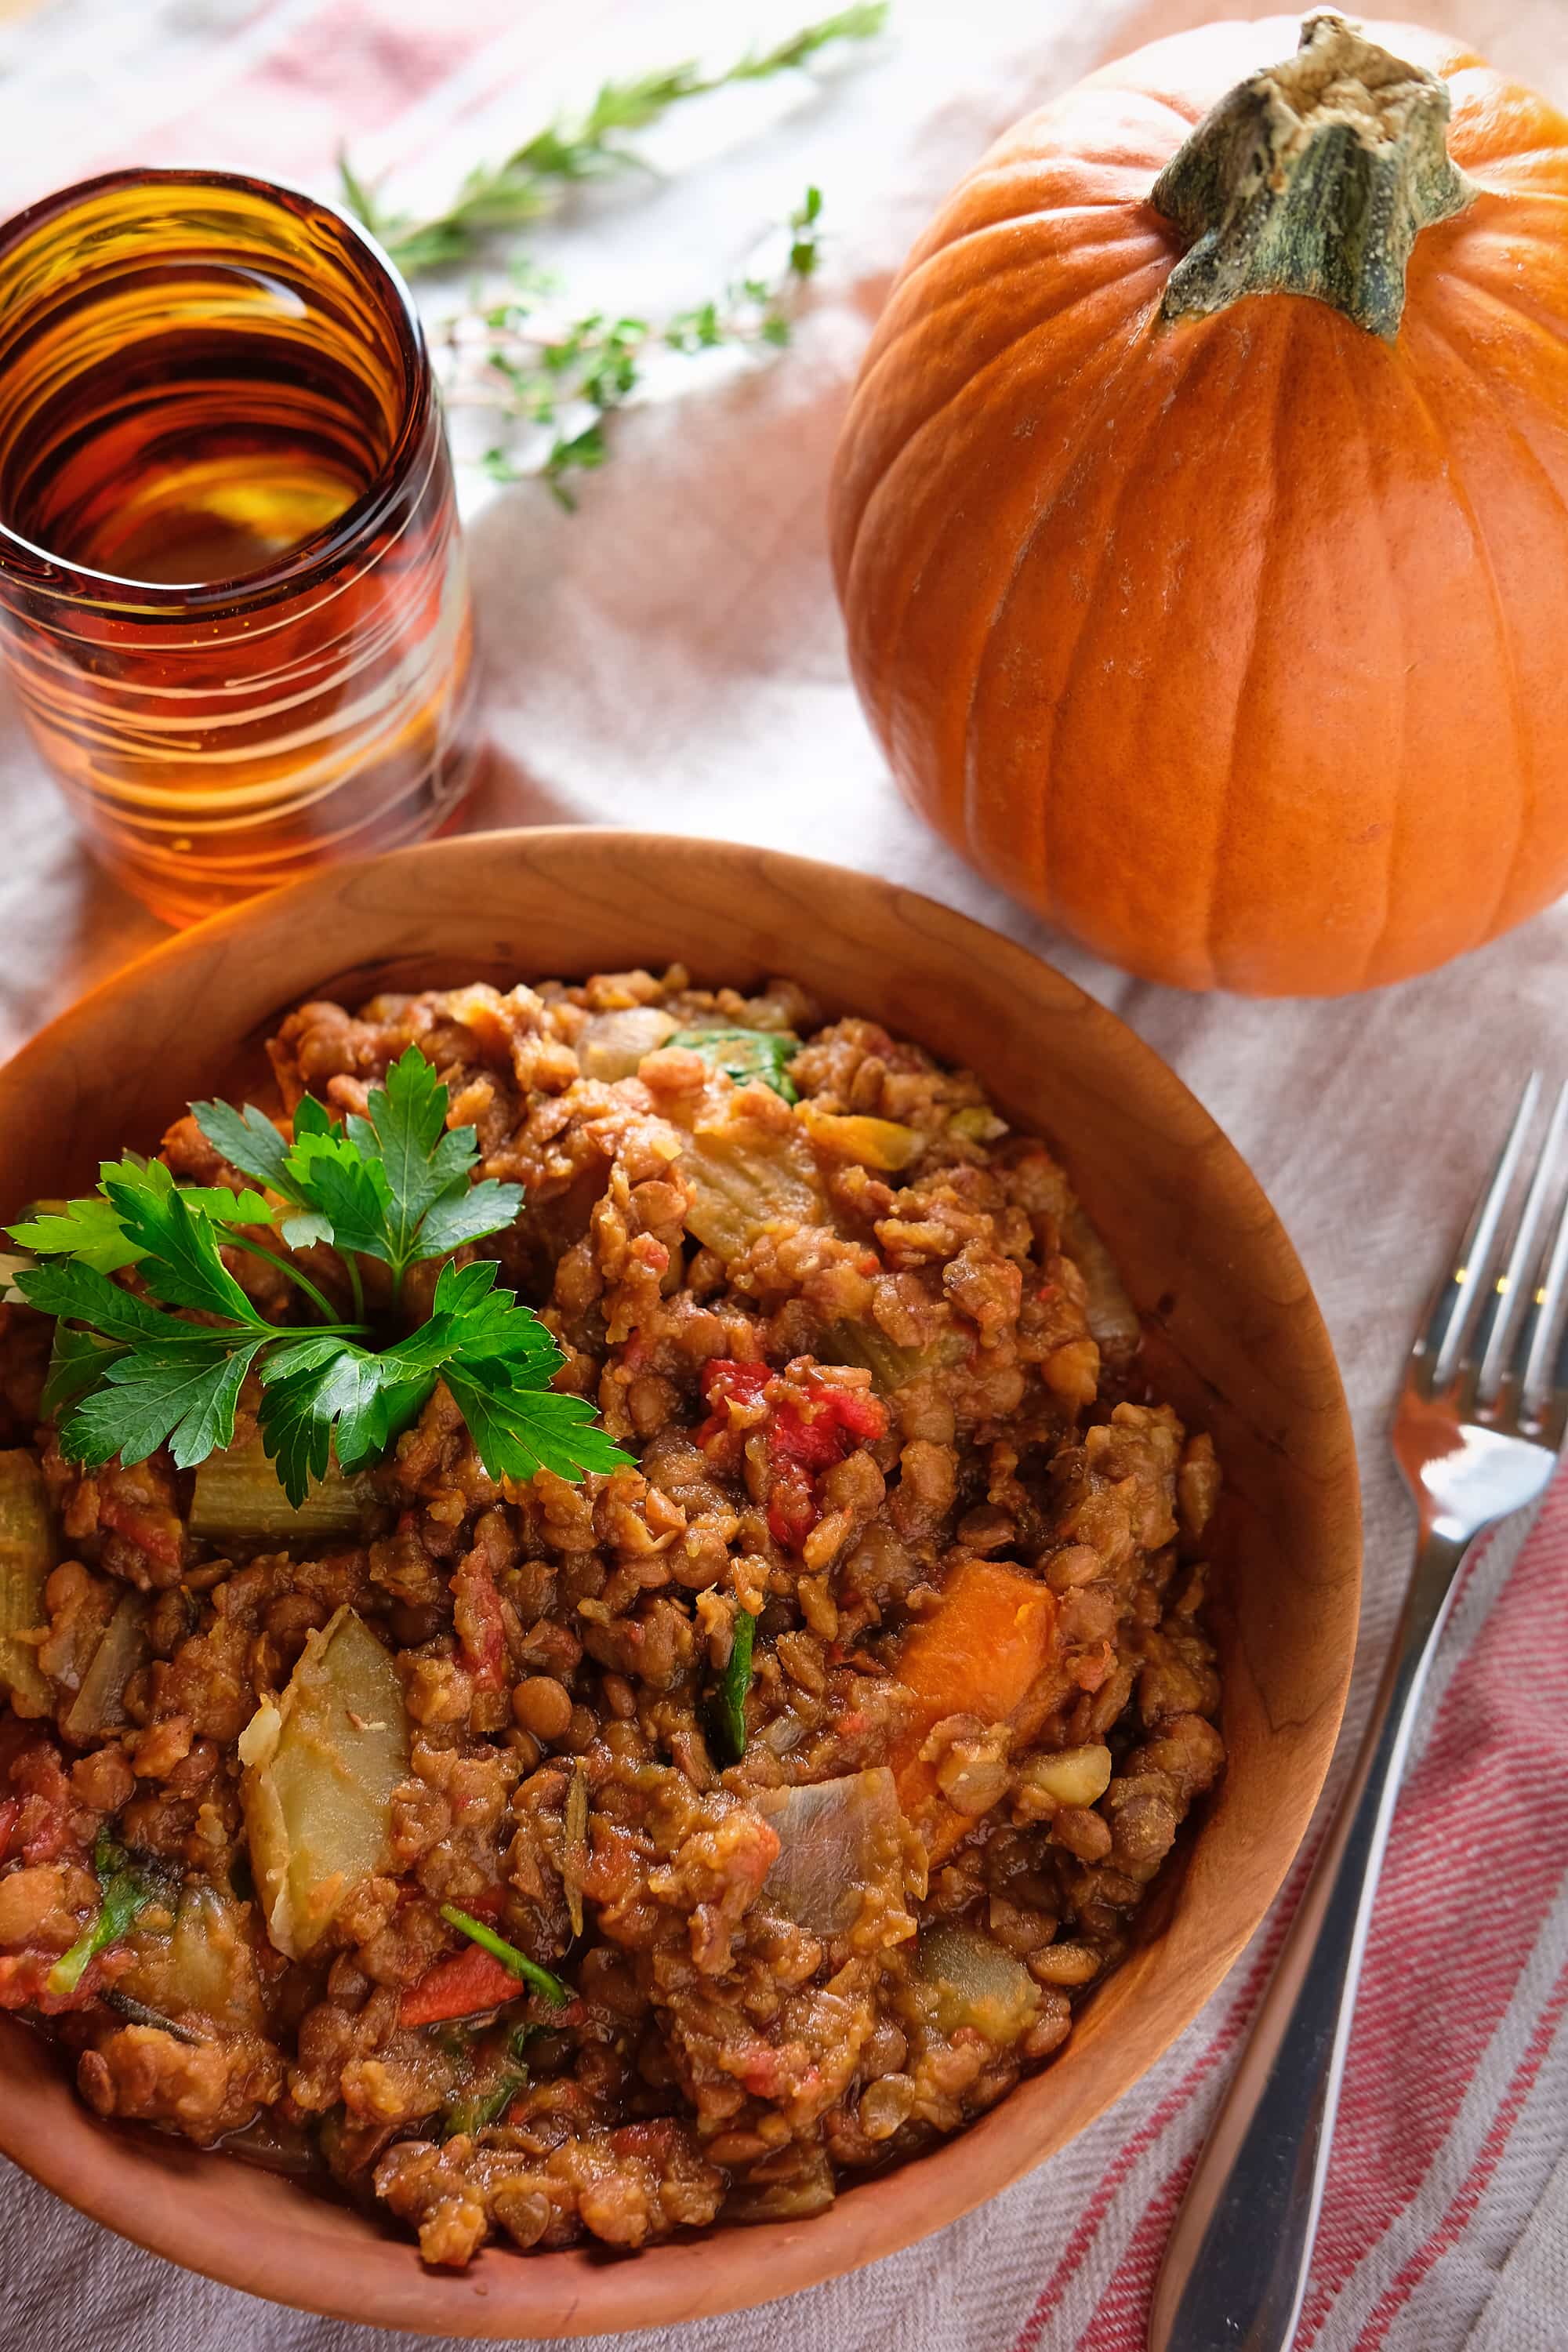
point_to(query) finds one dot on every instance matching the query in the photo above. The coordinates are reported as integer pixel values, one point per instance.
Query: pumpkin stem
(1315, 176)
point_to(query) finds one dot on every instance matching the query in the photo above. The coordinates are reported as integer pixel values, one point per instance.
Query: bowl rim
(110, 2172)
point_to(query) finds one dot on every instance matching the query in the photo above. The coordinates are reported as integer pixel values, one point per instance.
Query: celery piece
(238, 1498)
(483, 2102)
(890, 1365)
(978, 1984)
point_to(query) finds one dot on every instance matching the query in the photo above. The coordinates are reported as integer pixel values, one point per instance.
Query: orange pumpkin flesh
(1237, 644)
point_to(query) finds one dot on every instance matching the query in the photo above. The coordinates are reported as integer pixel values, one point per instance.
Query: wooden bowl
(1238, 1345)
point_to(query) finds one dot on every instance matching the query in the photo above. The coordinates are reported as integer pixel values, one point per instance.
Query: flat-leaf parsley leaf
(127, 1375)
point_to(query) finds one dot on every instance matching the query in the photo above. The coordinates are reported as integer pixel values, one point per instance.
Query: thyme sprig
(495, 200)
(554, 382)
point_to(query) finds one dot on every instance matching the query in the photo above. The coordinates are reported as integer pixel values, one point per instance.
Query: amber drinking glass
(232, 592)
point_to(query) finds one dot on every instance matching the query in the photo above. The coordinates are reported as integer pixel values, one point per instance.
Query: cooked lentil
(852, 1350)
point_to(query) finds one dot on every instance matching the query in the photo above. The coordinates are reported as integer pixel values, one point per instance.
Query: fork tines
(1495, 1327)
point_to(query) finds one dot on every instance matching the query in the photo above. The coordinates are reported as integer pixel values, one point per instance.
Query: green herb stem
(530, 369)
(508, 1954)
(485, 2104)
(318, 1297)
(733, 1685)
(496, 200)
(124, 1897)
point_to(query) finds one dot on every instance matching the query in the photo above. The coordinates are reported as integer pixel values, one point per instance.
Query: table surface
(671, 656)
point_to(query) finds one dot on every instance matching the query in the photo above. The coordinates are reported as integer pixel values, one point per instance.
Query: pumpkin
(1201, 515)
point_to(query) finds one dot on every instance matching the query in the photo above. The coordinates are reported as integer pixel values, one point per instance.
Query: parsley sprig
(496, 199)
(395, 1186)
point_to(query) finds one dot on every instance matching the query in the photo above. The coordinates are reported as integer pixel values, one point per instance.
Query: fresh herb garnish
(496, 199)
(124, 1895)
(508, 1954)
(730, 1698)
(744, 1053)
(554, 381)
(551, 379)
(393, 1186)
(483, 2102)
(94, 1232)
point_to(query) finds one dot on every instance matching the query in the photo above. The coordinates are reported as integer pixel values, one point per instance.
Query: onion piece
(611, 1045)
(100, 1703)
(1110, 1314)
(838, 1839)
(321, 1766)
(977, 1983)
(744, 1178)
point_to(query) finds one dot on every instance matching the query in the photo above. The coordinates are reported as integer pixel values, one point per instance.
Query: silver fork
(1478, 1434)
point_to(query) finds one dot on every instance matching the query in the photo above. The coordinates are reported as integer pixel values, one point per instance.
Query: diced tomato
(803, 1441)
(760, 2068)
(651, 2138)
(24, 1981)
(481, 1628)
(726, 1381)
(156, 1532)
(841, 1418)
(792, 1506)
(10, 1810)
(46, 1821)
(470, 1980)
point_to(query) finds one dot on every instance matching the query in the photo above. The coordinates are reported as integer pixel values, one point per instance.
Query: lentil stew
(814, 1769)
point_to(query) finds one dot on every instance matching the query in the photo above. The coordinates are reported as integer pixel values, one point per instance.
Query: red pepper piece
(470, 1980)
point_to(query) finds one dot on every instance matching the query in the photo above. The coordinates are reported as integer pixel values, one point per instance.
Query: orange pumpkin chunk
(982, 1652)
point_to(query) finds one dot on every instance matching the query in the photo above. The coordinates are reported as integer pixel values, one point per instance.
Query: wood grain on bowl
(1237, 1341)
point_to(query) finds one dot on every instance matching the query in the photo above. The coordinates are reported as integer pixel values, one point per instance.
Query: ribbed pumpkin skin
(1236, 646)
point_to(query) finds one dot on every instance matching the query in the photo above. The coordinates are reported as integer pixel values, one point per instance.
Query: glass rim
(307, 559)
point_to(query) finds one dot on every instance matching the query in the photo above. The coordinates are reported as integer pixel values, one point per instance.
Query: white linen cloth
(671, 657)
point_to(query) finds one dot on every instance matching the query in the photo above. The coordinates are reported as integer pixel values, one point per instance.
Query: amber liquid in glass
(229, 458)
(230, 570)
